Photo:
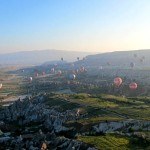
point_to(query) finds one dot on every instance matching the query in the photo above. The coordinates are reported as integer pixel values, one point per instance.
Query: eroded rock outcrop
(39, 127)
(47, 141)
(34, 110)
(124, 126)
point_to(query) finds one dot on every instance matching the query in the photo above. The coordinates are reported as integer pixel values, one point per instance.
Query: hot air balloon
(72, 76)
(117, 81)
(133, 86)
(30, 79)
(59, 72)
(52, 70)
(132, 65)
(1, 85)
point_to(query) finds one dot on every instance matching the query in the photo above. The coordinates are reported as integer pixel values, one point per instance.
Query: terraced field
(109, 142)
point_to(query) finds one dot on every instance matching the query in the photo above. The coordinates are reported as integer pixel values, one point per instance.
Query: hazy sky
(82, 25)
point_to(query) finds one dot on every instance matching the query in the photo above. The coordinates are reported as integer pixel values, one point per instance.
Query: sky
(78, 25)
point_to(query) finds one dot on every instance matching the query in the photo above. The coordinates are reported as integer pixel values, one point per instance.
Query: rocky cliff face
(30, 124)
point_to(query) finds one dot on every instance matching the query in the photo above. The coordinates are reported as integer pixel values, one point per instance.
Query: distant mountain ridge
(40, 56)
(119, 58)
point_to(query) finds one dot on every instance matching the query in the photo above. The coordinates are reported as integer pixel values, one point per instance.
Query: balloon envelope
(117, 81)
(72, 76)
(133, 86)
(30, 79)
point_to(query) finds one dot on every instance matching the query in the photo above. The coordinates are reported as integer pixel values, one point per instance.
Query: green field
(11, 84)
(103, 107)
(111, 142)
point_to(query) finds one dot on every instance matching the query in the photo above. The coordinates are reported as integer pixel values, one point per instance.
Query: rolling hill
(40, 56)
(119, 58)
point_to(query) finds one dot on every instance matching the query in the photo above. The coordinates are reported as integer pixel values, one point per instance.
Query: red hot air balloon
(117, 81)
(133, 86)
